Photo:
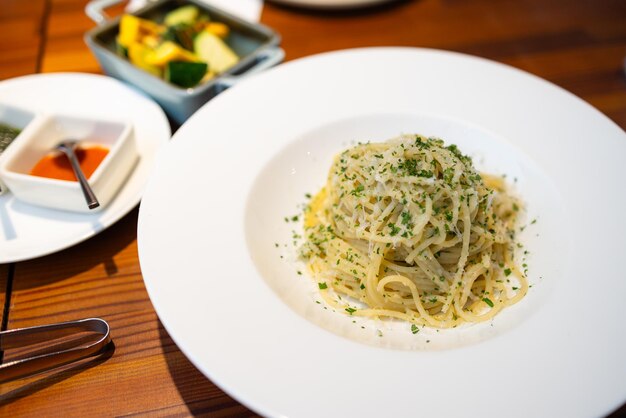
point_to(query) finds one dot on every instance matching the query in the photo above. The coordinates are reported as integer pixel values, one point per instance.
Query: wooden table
(578, 44)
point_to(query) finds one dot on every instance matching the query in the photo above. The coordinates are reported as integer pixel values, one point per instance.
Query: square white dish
(31, 146)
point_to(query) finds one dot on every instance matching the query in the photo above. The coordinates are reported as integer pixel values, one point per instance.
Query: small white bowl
(15, 117)
(31, 146)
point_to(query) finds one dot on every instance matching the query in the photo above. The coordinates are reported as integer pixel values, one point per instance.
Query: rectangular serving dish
(255, 44)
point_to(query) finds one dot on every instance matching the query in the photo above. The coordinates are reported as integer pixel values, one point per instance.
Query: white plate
(28, 231)
(331, 4)
(246, 319)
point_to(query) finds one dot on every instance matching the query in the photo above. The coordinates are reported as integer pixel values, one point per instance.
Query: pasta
(408, 229)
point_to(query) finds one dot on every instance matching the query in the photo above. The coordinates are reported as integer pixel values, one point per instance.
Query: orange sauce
(57, 166)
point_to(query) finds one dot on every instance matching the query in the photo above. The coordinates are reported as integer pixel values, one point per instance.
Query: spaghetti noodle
(409, 229)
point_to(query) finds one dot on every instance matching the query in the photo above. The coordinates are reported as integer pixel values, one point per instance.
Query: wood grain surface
(4, 291)
(579, 45)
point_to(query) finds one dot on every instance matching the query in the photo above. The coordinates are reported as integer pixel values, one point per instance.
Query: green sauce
(7, 135)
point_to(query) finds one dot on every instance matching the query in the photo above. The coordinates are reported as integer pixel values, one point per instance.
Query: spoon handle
(90, 197)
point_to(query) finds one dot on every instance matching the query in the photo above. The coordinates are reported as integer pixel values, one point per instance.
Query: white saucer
(27, 231)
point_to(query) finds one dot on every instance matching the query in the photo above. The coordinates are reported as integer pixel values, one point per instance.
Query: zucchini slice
(185, 74)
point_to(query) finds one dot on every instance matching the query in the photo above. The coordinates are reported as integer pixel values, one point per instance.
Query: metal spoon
(67, 148)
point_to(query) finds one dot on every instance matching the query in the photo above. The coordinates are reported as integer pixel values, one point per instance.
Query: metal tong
(22, 337)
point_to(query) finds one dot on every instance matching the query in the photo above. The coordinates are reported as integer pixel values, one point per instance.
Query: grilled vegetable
(185, 74)
(187, 49)
(138, 54)
(133, 29)
(212, 50)
(217, 29)
(182, 34)
(169, 51)
(185, 15)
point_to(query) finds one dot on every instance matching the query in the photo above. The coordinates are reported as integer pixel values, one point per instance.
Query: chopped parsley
(394, 229)
(448, 175)
(421, 144)
(358, 191)
(409, 166)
